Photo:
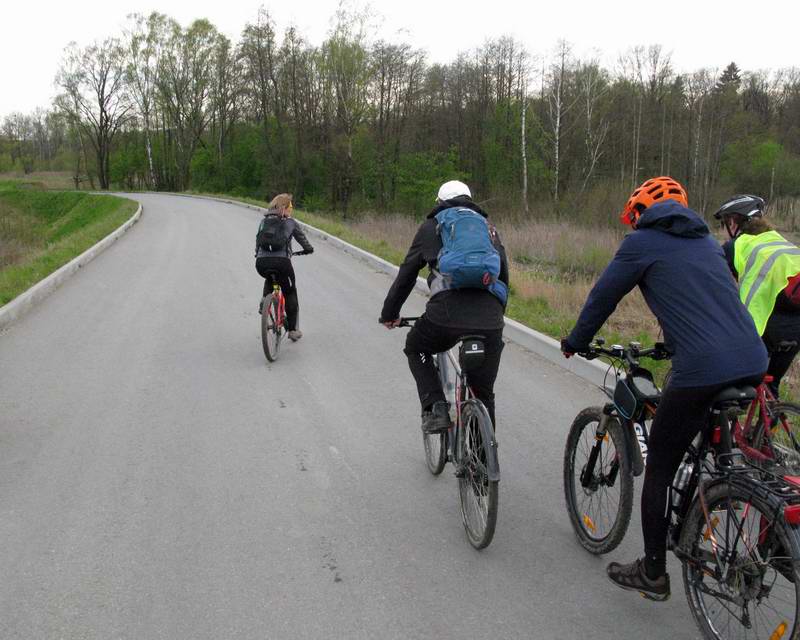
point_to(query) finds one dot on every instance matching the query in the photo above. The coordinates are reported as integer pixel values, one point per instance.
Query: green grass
(41, 231)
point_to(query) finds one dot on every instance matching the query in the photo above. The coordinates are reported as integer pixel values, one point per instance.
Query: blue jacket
(685, 281)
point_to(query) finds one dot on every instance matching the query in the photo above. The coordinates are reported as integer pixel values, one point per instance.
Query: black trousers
(284, 273)
(781, 327)
(681, 414)
(427, 338)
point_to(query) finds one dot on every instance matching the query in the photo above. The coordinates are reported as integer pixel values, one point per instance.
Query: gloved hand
(567, 349)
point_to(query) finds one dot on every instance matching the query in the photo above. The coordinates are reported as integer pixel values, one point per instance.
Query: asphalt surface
(159, 479)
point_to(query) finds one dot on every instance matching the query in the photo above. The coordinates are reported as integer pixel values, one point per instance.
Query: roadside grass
(61, 180)
(41, 231)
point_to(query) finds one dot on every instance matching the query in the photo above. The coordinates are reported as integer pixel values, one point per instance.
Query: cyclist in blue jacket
(682, 274)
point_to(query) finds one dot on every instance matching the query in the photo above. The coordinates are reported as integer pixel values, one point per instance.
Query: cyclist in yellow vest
(765, 264)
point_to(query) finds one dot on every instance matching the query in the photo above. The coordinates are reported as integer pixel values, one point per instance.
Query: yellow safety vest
(765, 263)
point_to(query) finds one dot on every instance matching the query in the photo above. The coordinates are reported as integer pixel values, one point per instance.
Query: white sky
(699, 33)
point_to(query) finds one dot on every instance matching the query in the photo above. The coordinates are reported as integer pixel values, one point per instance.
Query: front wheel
(478, 473)
(740, 566)
(270, 327)
(598, 484)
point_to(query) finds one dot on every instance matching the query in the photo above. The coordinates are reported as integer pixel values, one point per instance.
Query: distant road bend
(158, 479)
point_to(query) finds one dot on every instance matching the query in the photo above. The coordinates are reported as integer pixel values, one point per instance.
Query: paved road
(158, 479)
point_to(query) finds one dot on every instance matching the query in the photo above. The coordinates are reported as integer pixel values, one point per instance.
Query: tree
(95, 96)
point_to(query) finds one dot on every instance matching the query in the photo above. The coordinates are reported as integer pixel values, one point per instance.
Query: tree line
(359, 124)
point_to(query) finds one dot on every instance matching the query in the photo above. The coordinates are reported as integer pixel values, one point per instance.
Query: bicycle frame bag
(471, 354)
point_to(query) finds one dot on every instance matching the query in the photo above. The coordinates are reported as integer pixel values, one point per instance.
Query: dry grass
(61, 180)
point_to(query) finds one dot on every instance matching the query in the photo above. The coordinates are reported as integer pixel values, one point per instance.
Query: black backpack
(273, 233)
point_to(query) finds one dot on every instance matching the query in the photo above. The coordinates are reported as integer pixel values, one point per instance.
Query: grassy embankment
(42, 230)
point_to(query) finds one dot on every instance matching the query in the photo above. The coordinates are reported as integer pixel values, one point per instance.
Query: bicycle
(470, 444)
(273, 316)
(733, 525)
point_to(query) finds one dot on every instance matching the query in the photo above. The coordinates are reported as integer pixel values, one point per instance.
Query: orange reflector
(791, 513)
(779, 631)
(588, 522)
(710, 528)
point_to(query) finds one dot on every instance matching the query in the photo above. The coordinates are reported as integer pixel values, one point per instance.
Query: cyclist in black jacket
(449, 314)
(278, 260)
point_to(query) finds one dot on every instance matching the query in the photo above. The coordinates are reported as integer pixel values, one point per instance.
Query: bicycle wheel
(783, 439)
(740, 566)
(436, 443)
(478, 473)
(270, 331)
(600, 511)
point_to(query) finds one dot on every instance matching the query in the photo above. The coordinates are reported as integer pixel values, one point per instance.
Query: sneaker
(437, 418)
(633, 578)
(295, 335)
(261, 306)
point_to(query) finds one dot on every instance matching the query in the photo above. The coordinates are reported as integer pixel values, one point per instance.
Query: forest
(355, 124)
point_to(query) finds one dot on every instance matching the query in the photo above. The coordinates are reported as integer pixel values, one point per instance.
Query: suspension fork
(599, 438)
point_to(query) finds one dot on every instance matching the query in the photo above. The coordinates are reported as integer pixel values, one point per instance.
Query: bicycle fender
(492, 463)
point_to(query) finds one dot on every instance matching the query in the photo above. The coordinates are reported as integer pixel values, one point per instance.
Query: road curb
(530, 339)
(24, 302)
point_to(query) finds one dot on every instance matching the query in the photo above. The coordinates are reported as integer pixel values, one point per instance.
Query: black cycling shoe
(633, 578)
(261, 306)
(437, 418)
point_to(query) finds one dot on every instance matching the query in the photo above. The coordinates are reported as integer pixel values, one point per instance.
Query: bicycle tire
(719, 564)
(435, 444)
(584, 518)
(270, 332)
(478, 473)
(785, 448)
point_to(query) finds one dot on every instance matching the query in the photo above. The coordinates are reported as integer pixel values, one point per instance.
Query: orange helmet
(652, 191)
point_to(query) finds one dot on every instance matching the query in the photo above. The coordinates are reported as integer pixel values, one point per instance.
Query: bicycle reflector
(791, 514)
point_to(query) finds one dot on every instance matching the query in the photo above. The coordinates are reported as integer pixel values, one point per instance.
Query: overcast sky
(698, 33)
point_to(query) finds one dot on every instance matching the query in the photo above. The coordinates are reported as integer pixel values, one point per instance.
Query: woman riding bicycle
(273, 256)
(681, 272)
(766, 266)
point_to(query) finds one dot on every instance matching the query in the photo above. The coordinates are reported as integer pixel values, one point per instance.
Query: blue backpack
(468, 259)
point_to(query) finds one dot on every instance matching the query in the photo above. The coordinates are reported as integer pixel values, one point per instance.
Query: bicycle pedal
(460, 472)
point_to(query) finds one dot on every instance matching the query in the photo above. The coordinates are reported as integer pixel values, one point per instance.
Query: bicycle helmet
(651, 192)
(453, 189)
(743, 205)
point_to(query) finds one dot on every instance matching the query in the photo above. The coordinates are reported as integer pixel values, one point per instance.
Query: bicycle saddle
(732, 396)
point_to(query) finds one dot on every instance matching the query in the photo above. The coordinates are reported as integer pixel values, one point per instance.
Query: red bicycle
(770, 430)
(273, 319)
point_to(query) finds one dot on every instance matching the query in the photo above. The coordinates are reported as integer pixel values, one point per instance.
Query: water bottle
(681, 480)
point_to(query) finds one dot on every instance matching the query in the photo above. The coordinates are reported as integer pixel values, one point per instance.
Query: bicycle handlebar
(404, 322)
(630, 353)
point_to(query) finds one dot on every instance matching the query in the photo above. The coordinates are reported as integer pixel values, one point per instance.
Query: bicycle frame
(463, 394)
(276, 291)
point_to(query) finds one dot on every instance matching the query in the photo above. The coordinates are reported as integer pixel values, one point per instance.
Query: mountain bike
(733, 525)
(273, 316)
(469, 444)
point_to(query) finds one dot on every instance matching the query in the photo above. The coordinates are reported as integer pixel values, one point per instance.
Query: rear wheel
(270, 329)
(598, 487)
(739, 567)
(478, 473)
(782, 442)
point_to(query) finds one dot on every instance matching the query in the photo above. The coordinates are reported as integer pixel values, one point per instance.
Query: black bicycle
(469, 444)
(733, 525)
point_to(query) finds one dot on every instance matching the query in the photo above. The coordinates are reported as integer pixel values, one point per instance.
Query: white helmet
(453, 189)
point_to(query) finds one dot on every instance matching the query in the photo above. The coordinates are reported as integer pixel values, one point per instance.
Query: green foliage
(419, 176)
(761, 167)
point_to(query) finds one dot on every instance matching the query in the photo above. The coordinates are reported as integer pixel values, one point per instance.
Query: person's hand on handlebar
(391, 324)
(567, 349)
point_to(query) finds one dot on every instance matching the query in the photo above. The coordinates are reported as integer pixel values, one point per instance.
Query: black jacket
(456, 308)
(293, 231)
